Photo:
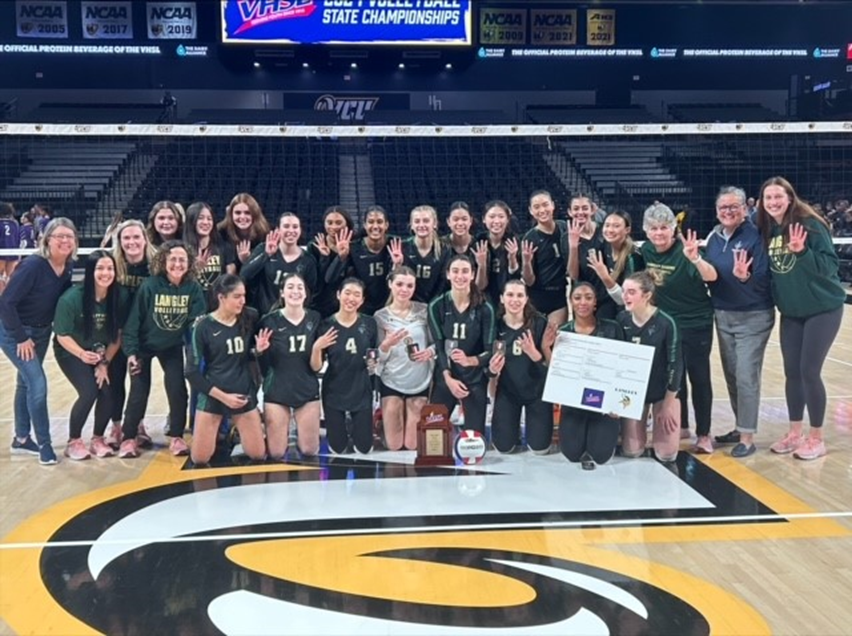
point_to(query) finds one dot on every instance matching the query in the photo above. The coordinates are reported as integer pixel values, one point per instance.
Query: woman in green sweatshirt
(166, 305)
(809, 296)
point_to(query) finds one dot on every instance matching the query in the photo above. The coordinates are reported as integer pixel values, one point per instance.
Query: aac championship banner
(107, 20)
(172, 21)
(438, 22)
(41, 19)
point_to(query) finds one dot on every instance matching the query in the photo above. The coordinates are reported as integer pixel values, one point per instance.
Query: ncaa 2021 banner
(107, 20)
(41, 19)
(172, 21)
(423, 22)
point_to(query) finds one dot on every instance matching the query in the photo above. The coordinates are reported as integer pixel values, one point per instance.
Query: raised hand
(798, 238)
(272, 240)
(243, 250)
(575, 230)
(511, 245)
(344, 243)
(395, 251)
(742, 264)
(262, 340)
(528, 346)
(480, 253)
(528, 250)
(596, 262)
(327, 339)
(393, 339)
(690, 245)
(495, 365)
(549, 337)
(321, 244)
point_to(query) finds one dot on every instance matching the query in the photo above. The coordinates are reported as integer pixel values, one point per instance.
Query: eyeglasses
(64, 237)
(734, 207)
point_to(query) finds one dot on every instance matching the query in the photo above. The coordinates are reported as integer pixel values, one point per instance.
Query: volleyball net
(89, 172)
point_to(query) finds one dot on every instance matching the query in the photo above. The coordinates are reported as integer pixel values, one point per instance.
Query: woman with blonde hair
(424, 253)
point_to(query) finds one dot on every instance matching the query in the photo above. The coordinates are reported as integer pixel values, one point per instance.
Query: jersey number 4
(351, 347)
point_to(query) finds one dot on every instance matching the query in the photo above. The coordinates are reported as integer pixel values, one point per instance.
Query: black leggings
(171, 361)
(338, 436)
(696, 345)
(474, 405)
(506, 423)
(117, 376)
(805, 343)
(82, 378)
(583, 431)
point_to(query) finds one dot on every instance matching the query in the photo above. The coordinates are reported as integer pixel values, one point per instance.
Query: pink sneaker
(143, 440)
(129, 448)
(100, 448)
(790, 442)
(178, 447)
(76, 450)
(703, 445)
(113, 436)
(812, 448)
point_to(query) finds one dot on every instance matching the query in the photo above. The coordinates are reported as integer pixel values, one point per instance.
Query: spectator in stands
(842, 221)
(337, 224)
(751, 209)
(27, 307)
(28, 234)
(213, 257)
(683, 295)
(132, 254)
(460, 221)
(41, 217)
(163, 311)
(87, 328)
(244, 226)
(502, 246)
(810, 298)
(544, 253)
(618, 258)
(169, 113)
(9, 240)
(735, 267)
(279, 255)
(165, 223)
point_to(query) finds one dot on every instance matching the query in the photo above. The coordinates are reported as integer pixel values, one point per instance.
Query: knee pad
(542, 451)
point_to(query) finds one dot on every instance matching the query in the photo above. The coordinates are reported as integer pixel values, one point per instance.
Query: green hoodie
(161, 314)
(807, 283)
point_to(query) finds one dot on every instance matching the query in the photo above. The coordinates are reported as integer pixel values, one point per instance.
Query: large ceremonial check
(598, 374)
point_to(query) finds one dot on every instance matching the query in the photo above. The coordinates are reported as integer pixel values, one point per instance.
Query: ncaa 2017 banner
(41, 19)
(172, 21)
(422, 22)
(107, 20)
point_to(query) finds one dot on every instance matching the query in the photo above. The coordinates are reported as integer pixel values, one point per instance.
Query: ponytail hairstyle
(648, 281)
(476, 295)
(111, 300)
(396, 272)
(224, 285)
(530, 312)
(373, 209)
(436, 240)
(627, 248)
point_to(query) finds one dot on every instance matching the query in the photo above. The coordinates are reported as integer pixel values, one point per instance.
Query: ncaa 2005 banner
(172, 21)
(438, 22)
(107, 20)
(47, 19)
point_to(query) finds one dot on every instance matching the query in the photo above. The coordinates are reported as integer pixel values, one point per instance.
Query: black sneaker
(731, 437)
(27, 447)
(46, 456)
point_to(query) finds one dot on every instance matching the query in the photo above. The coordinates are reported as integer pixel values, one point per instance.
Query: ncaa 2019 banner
(107, 20)
(423, 22)
(41, 19)
(172, 21)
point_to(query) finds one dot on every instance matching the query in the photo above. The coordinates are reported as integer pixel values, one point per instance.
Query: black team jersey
(473, 331)
(263, 275)
(659, 332)
(603, 329)
(549, 265)
(597, 243)
(521, 378)
(498, 269)
(218, 259)
(324, 296)
(287, 375)
(346, 385)
(430, 271)
(370, 267)
(226, 352)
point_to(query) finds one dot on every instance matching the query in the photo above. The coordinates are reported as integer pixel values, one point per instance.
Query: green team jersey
(683, 293)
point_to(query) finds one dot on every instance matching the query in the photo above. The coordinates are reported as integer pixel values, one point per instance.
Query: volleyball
(470, 447)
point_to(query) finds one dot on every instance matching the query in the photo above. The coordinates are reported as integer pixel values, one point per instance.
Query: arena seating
(588, 115)
(722, 113)
(74, 113)
(256, 116)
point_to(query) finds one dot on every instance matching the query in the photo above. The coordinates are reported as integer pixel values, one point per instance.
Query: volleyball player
(544, 252)
(463, 327)
(213, 256)
(27, 232)
(221, 340)
(424, 253)
(165, 223)
(86, 328)
(460, 221)
(616, 259)
(347, 385)
(244, 227)
(585, 433)
(520, 365)
(9, 240)
(290, 383)
(406, 360)
(644, 323)
(337, 225)
(163, 310)
(280, 254)
(502, 255)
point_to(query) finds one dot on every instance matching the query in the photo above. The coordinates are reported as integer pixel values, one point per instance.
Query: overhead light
(305, 65)
(256, 64)
(402, 65)
(353, 65)
(448, 66)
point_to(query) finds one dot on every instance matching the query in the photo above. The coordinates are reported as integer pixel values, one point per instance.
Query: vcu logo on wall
(347, 108)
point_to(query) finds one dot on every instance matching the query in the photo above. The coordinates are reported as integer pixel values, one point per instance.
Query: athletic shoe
(46, 456)
(129, 448)
(27, 447)
(143, 440)
(743, 450)
(100, 448)
(787, 444)
(76, 450)
(178, 447)
(113, 436)
(703, 446)
(731, 437)
(812, 448)
(685, 434)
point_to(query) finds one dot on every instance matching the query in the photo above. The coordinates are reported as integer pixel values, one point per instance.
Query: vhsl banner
(172, 21)
(107, 20)
(42, 19)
